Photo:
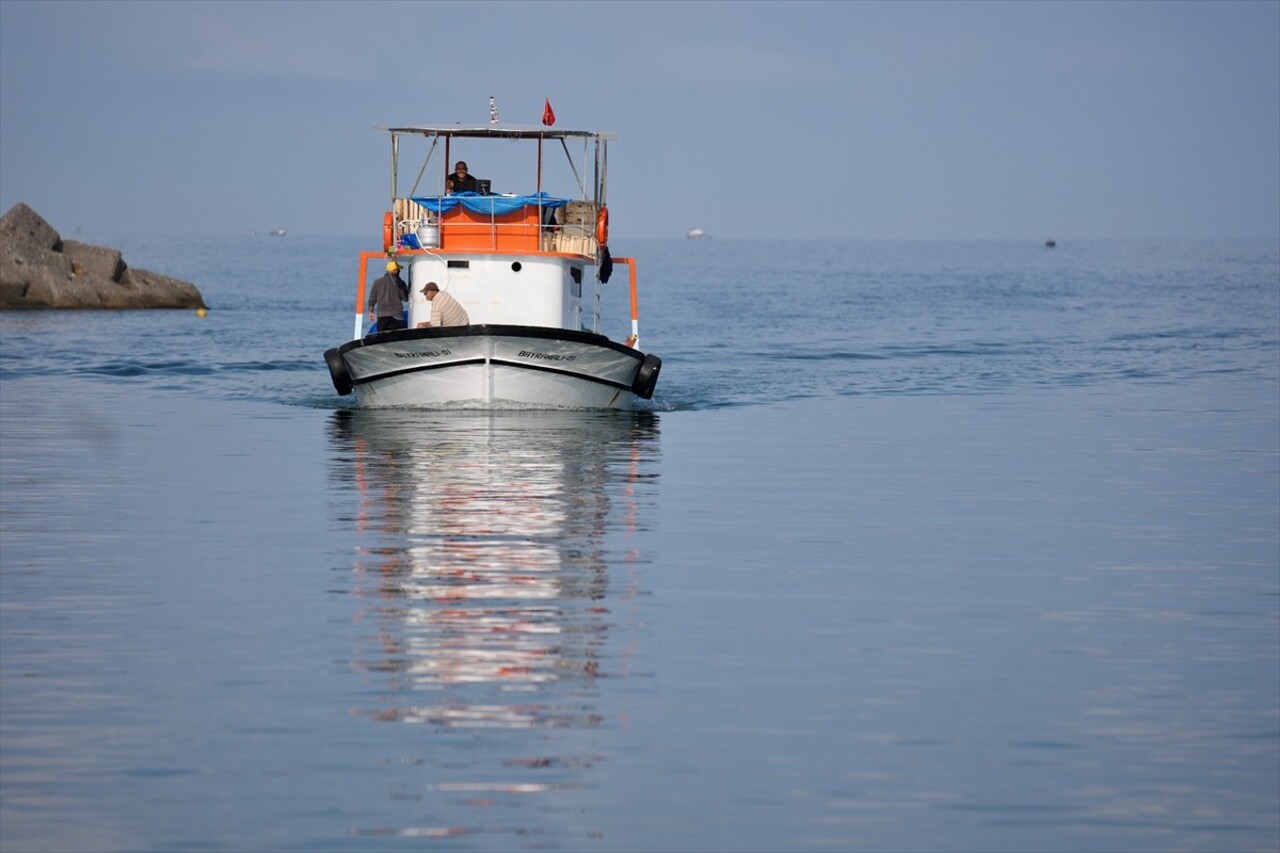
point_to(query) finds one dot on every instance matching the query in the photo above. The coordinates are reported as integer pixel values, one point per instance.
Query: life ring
(388, 232)
(647, 377)
(602, 226)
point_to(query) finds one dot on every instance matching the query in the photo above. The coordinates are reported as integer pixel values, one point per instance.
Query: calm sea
(920, 547)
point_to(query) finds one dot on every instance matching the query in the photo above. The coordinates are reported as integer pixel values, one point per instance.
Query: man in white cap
(445, 310)
(386, 299)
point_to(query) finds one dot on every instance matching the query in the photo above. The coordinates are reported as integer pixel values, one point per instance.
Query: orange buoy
(388, 232)
(602, 226)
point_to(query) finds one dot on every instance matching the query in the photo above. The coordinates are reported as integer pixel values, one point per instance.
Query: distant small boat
(696, 234)
(277, 232)
(1051, 243)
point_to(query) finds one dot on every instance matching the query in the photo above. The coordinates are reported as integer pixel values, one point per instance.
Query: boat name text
(524, 353)
(428, 354)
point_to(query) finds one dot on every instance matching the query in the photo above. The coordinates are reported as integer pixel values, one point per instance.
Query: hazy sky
(748, 119)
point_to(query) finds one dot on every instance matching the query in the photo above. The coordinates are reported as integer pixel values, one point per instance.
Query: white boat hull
(493, 366)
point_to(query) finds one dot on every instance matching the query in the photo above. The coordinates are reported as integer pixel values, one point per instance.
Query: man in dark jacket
(460, 181)
(386, 299)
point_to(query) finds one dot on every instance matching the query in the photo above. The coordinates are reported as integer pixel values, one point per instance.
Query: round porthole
(515, 266)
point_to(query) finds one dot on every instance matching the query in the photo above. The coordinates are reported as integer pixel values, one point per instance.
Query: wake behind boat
(527, 269)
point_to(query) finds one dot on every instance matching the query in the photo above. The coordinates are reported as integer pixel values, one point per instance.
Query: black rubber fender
(647, 377)
(338, 372)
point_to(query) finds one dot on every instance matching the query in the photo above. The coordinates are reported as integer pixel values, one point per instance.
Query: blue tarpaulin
(489, 205)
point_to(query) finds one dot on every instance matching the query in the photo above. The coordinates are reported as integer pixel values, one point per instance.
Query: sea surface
(920, 546)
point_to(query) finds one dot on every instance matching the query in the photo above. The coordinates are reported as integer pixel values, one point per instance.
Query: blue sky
(864, 120)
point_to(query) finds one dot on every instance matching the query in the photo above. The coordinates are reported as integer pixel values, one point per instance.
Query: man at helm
(460, 180)
(386, 300)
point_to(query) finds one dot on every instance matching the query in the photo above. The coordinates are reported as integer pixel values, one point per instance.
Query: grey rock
(94, 260)
(161, 291)
(48, 289)
(23, 225)
(39, 270)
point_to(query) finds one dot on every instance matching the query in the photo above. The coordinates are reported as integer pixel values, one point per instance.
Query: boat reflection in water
(495, 568)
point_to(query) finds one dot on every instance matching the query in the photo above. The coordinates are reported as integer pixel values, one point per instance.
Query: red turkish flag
(548, 114)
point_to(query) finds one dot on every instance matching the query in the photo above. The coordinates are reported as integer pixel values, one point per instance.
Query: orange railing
(365, 257)
(634, 340)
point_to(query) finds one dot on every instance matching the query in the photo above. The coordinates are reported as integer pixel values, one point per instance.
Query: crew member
(386, 299)
(461, 180)
(445, 310)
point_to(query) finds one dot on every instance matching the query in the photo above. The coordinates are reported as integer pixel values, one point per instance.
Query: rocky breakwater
(38, 269)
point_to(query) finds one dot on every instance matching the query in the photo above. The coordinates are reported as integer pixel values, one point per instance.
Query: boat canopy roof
(497, 131)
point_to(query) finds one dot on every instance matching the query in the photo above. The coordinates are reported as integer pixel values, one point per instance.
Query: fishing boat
(528, 268)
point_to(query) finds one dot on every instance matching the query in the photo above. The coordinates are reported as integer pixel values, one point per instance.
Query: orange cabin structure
(518, 231)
